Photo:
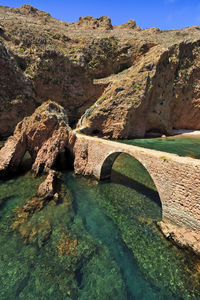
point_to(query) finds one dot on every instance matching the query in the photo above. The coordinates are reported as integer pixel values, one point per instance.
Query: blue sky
(165, 14)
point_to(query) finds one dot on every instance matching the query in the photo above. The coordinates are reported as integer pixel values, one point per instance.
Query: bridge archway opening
(122, 168)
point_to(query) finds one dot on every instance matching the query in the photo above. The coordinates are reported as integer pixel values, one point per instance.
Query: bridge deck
(121, 147)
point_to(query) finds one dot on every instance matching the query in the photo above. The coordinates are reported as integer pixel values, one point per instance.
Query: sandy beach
(186, 132)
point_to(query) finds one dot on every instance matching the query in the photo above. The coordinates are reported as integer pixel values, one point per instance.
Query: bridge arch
(176, 178)
(107, 164)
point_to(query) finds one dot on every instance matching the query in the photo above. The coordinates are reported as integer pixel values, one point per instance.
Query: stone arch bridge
(177, 179)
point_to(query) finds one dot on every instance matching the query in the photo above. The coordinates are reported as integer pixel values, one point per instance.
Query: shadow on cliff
(118, 178)
(64, 161)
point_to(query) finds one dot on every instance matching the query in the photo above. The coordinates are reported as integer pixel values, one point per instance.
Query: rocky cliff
(159, 93)
(118, 81)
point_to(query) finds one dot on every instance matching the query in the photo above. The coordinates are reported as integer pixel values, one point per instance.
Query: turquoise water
(100, 227)
(181, 145)
(100, 241)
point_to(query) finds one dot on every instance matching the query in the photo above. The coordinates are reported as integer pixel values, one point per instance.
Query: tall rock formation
(44, 135)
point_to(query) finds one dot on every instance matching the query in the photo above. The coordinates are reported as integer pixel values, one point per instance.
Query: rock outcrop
(131, 24)
(27, 9)
(47, 187)
(129, 80)
(103, 23)
(183, 237)
(44, 135)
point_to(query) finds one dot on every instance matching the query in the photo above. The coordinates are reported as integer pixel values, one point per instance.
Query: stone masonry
(176, 178)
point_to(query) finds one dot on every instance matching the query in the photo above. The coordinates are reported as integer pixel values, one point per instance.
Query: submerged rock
(183, 237)
(47, 187)
(43, 135)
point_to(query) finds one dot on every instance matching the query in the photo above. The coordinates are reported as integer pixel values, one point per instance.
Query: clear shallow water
(100, 227)
(100, 242)
(181, 145)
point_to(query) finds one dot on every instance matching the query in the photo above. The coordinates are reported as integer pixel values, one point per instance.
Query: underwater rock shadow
(118, 178)
(3, 202)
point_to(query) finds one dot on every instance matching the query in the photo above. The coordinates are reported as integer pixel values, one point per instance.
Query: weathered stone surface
(16, 97)
(176, 178)
(183, 237)
(47, 187)
(27, 9)
(60, 78)
(103, 23)
(12, 153)
(131, 24)
(159, 93)
(43, 135)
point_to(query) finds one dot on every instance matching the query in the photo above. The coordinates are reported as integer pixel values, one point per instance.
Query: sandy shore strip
(186, 132)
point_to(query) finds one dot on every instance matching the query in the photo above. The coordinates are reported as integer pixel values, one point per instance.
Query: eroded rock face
(131, 24)
(66, 83)
(132, 80)
(27, 9)
(43, 135)
(103, 23)
(16, 96)
(159, 93)
(37, 66)
(47, 187)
